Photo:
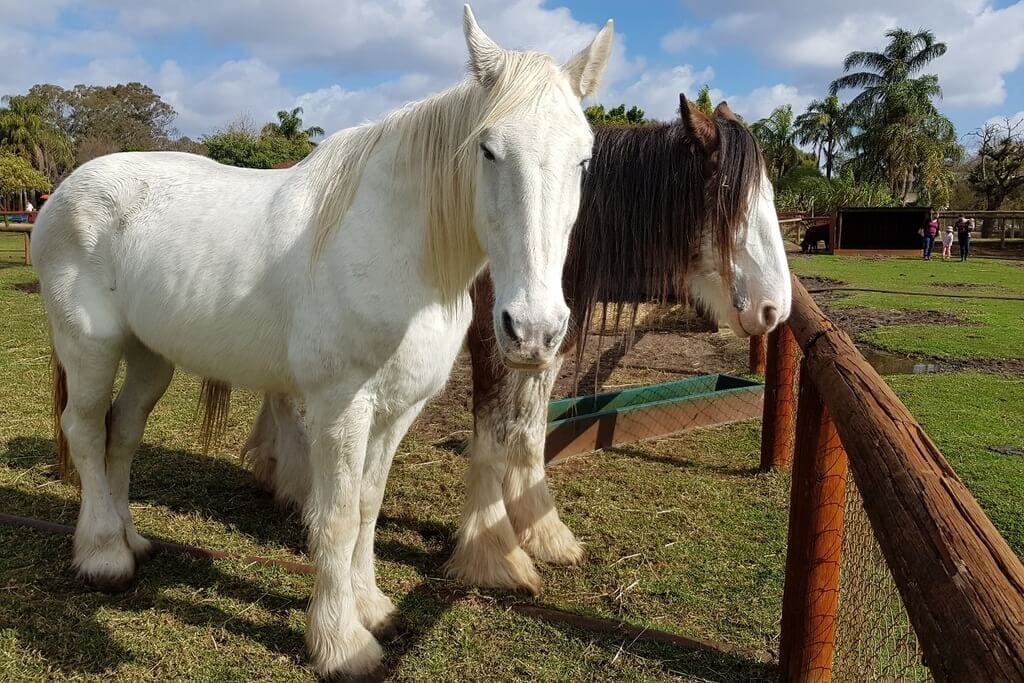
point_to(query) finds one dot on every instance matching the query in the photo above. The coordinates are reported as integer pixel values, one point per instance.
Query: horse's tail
(65, 470)
(214, 402)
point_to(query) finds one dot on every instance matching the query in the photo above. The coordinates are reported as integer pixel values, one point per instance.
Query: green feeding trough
(588, 423)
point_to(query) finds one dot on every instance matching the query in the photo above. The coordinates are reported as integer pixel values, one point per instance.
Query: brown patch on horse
(214, 402)
(65, 469)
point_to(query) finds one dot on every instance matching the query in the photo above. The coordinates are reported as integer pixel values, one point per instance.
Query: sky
(347, 61)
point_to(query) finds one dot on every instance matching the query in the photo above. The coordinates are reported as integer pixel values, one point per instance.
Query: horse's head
(740, 271)
(532, 151)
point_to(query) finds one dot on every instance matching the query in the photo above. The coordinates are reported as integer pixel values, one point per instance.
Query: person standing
(929, 237)
(947, 244)
(963, 236)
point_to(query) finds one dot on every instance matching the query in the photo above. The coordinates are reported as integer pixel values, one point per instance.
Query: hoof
(142, 549)
(389, 629)
(513, 572)
(338, 655)
(563, 555)
(378, 675)
(103, 583)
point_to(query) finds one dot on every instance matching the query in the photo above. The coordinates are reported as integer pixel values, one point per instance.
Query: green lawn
(991, 329)
(683, 535)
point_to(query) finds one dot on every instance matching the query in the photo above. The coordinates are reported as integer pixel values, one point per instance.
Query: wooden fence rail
(959, 580)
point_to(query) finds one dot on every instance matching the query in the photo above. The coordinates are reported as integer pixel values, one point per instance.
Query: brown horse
(669, 211)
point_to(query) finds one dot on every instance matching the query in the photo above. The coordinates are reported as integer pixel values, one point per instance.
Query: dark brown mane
(651, 195)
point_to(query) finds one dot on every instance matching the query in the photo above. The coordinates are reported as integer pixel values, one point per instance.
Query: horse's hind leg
(146, 378)
(101, 554)
(277, 451)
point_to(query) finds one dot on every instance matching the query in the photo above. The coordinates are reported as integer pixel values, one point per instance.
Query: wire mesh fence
(713, 387)
(874, 638)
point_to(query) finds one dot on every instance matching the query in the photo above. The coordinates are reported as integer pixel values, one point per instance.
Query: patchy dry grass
(683, 537)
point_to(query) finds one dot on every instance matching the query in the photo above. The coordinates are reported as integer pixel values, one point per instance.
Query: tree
(905, 55)
(17, 176)
(289, 126)
(997, 173)
(27, 131)
(704, 100)
(826, 127)
(239, 145)
(901, 137)
(777, 136)
(130, 115)
(619, 116)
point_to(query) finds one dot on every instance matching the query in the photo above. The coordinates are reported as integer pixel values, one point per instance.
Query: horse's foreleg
(487, 551)
(146, 378)
(376, 611)
(338, 644)
(529, 503)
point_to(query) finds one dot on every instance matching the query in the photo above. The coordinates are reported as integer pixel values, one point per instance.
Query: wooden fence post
(810, 600)
(758, 350)
(777, 424)
(960, 581)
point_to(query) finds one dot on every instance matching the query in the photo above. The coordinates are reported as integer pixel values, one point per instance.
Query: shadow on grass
(684, 462)
(44, 602)
(72, 629)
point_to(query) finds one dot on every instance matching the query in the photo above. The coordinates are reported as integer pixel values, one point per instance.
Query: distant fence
(24, 229)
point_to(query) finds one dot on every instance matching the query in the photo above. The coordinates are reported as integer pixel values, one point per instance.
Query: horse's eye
(585, 165)
(488, 154)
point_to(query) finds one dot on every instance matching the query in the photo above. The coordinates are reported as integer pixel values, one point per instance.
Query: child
(947, 243)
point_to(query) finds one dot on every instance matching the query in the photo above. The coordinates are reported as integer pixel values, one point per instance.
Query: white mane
(438, 138)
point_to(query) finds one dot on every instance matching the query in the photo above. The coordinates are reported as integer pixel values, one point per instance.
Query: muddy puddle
(894, 364)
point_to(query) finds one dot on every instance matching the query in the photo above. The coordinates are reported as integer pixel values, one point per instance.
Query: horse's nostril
(770, 315)
(508, 327)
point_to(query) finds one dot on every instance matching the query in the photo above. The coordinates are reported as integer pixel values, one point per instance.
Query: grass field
(988, 329)
(683, 535)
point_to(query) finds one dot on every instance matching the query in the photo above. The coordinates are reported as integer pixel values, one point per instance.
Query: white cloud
(404, 49)
(657, 91)
(986, 44)
(760, 102)
(681, 39)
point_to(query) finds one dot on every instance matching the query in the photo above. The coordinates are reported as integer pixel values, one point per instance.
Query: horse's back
(177, 251)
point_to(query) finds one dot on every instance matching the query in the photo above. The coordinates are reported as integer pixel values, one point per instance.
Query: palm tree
(26, 131)
(905, 55)
(777, 136)
(902, 137)
(289, 125)
(826, 127)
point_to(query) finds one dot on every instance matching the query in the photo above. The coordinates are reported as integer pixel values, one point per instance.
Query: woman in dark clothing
(929, 234)
(963, 236)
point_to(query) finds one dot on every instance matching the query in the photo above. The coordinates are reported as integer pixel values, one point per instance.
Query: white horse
(342, 282)
(644, 220)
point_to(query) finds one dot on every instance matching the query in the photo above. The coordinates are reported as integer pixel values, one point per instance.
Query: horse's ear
(485, 56)
(698, 124)
(586, 68)
(722, 111)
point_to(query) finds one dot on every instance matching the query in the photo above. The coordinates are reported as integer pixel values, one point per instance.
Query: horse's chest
(418, 369)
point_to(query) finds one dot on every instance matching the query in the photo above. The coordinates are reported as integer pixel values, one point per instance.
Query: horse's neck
(389, 213)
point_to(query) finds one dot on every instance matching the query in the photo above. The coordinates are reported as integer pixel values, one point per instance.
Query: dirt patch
(857, 321)
(27, 287)
(955, 285)
(667, 346)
